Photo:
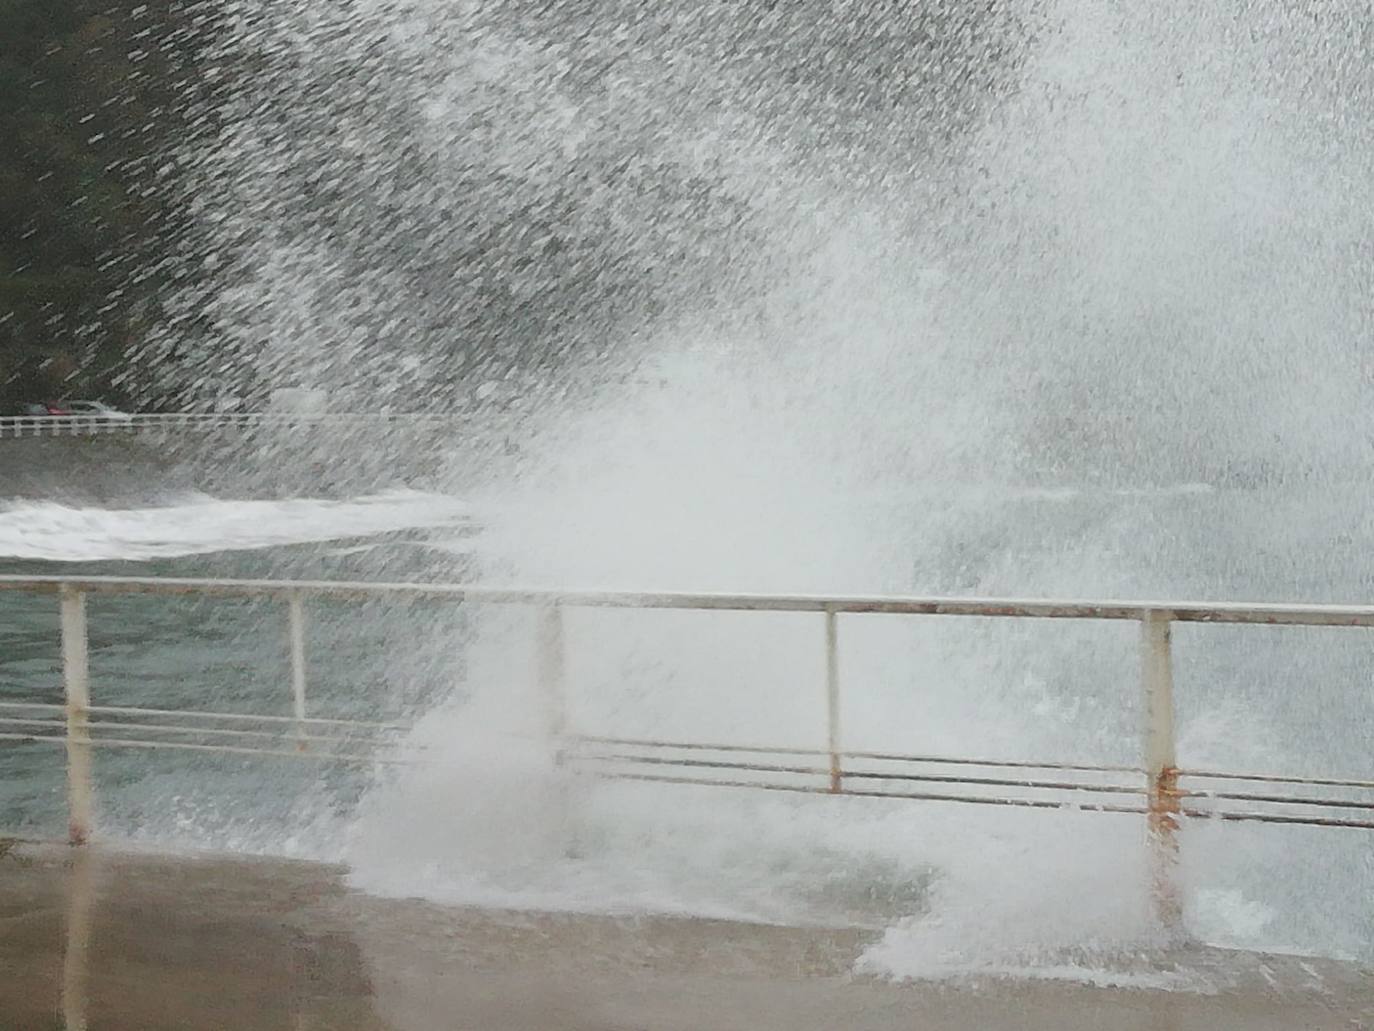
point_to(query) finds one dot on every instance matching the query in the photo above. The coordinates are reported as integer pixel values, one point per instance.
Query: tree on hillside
(93, 99)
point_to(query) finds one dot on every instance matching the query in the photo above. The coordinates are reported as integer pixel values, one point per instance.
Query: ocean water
(230, 655)
(490, 821)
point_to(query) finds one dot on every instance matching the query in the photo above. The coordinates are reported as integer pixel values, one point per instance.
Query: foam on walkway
(128, 941)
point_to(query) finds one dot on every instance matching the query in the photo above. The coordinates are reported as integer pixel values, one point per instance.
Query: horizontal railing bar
(283, 736)
(1017, 802)
(693, 746)
(611, 775)
(703, 764)
(1245, 796)
(1018, 764)
(246, 717)
(875, 756)
(22, 721)
(60, 739)
(1023, 803)
(1014, 803)
(1177, 611)
(1043, 785)
(96, 728)
(857, 775)
(1309, 821)
(114, 742)
(168, 728)
(701, 747)
(690, 745)
(701, 782)
(1331, 782)
(226, 749)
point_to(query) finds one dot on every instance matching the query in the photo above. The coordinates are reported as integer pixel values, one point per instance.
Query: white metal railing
(1156, 788)
(177, 422)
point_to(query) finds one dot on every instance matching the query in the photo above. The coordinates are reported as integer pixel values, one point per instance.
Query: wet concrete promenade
(122, 941)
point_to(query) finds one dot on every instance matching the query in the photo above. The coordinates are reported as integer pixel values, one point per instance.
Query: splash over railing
(1156, 788)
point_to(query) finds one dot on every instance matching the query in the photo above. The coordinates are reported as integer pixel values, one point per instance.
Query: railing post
(832, 699)
(1161, 765)
(551, 673)
(76, 683)
(295, 607)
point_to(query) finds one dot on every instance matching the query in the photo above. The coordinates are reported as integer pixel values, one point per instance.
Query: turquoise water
(373, 661)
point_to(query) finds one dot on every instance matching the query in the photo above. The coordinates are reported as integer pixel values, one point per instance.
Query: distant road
(91, 425)
(146, 459)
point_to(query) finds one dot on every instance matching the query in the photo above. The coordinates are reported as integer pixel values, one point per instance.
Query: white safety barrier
(1156, 788)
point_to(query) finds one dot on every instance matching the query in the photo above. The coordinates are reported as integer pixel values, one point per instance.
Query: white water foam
(712, 488)
(53, 532)
(1152, 241)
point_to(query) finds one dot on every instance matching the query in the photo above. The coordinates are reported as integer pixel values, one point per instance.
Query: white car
(97, 410)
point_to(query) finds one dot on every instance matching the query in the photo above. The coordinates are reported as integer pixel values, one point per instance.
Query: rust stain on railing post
(832, 699)
(1161, 766)
(76, 684)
